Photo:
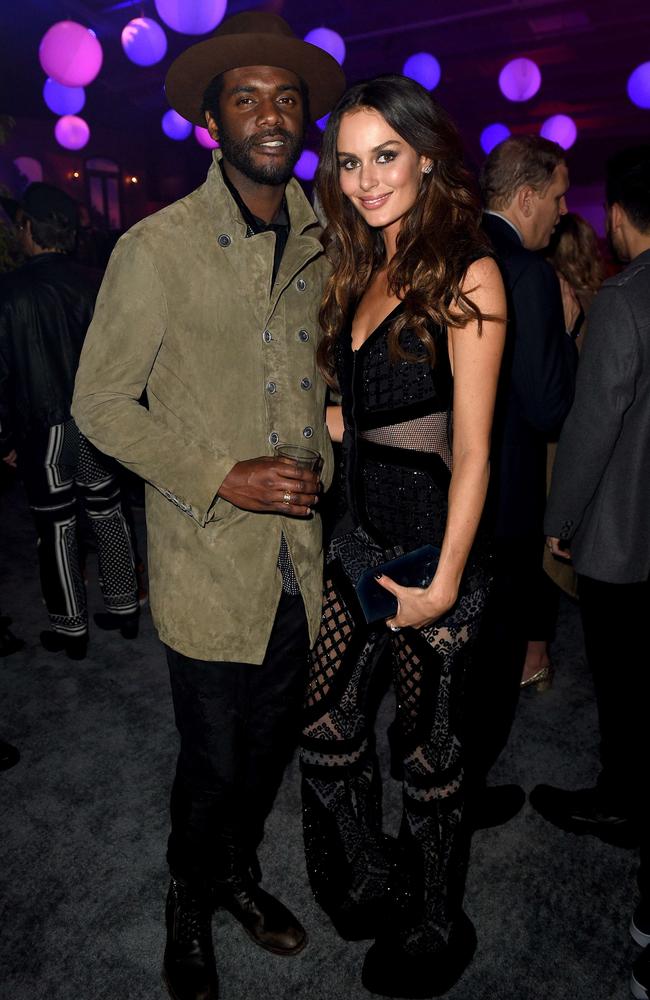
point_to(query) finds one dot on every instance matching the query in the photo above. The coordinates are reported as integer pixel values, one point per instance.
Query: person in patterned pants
(45, 309)
(61, 471)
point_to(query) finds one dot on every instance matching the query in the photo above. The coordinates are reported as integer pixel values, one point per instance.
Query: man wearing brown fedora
(211, 306)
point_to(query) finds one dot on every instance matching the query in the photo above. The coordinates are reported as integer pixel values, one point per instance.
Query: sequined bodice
(397, 448)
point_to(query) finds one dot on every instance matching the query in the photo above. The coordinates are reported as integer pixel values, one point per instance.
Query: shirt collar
(281, 219)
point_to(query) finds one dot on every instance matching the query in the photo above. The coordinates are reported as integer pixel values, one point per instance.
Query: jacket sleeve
(6, 406)
(544, 358)
(119, 353)
(605, 389)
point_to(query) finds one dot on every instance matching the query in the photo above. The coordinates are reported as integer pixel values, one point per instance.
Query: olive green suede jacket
(187, 312)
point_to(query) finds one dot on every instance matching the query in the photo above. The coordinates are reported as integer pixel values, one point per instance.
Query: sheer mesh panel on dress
(427, 434)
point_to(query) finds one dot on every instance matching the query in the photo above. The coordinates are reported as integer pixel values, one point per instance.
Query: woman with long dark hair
(413, 316)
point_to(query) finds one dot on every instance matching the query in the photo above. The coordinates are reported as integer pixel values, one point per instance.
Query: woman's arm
(334, 418)
(475, 363)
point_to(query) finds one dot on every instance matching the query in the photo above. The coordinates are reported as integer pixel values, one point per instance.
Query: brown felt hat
(254, 38)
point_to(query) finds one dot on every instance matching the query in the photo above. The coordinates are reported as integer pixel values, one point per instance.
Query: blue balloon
(492, 135)
(175, 126)
(144, 41)
(424, 69)
(306, 166)
(63, 100)
(638, 86)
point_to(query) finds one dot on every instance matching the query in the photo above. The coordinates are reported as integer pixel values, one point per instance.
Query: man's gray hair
(521, 160)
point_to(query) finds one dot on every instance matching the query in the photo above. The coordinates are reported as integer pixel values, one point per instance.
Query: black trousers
(493, 683)
(614, 621)
(238, 724)
(61, 471)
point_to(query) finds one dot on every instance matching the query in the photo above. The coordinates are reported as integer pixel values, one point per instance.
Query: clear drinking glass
(304, 458)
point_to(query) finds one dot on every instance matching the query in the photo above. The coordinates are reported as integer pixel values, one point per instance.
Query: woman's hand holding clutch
(418, 606)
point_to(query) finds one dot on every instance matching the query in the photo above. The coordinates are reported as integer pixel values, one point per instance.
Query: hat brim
(190, 74)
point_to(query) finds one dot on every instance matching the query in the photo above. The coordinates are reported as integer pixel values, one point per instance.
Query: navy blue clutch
(414, 569)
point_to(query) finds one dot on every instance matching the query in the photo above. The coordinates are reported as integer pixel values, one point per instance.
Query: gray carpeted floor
(84, 825)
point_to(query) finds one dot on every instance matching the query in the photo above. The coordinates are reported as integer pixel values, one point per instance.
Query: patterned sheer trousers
(409, 889)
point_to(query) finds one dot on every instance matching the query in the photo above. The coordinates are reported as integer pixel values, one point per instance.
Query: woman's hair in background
(575, 253)
(439, 235)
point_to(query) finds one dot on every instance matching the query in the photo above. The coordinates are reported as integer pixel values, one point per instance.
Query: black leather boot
(189, 969)
(265, 919)
(127, 624)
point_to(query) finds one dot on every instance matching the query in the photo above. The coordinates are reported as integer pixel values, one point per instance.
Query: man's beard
(614, 245)
(240, 155)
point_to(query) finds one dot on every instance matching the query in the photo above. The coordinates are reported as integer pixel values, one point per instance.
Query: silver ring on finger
(286, 498)
(394, 628)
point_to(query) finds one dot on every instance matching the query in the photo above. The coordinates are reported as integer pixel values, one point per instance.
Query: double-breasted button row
(272, 387)
(303, 336)
(274, 437)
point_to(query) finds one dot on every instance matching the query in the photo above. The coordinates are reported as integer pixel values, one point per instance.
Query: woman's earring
(428, 168)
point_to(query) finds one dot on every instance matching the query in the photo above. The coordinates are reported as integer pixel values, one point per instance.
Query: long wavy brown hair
(439, 235)
(575, 253)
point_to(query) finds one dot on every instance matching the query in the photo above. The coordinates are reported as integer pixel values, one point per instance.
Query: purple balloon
(70, 54)
(560, 129)
(191, 17)
(328, 40)
(638, 85)
(204, 138)
(144, 41)
(63, 100)
(306, 166)
(175, 126)
(492, 135)
(424, 69)
(71, 132)
(520, 79)
(29, 168)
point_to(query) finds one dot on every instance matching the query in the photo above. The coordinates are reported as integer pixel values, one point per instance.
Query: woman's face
(378, 171)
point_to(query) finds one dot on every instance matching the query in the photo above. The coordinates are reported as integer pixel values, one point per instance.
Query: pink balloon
(71, 132)
(70, 54)
(204, 138)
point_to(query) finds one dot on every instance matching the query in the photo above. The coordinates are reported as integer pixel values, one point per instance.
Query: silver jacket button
(303, 335)
(305, 383)
(271, 387)
(267, 336)
(274, 437)
(308, 432)
(301, 284)
(224, 240)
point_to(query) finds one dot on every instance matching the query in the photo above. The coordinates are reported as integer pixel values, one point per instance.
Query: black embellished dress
(396, 474)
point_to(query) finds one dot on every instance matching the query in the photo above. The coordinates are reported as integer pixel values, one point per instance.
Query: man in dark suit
(599, 507)
(524, 182)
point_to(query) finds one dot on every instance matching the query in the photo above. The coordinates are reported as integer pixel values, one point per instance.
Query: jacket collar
(508, 228)
(301, 213)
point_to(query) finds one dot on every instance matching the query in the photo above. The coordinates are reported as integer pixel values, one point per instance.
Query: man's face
(261, 125)
(547, 208)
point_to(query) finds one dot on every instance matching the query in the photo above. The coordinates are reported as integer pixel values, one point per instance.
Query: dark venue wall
(585, 53)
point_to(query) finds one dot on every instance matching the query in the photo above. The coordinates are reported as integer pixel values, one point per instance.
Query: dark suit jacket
(600, 496)
(536, 386)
